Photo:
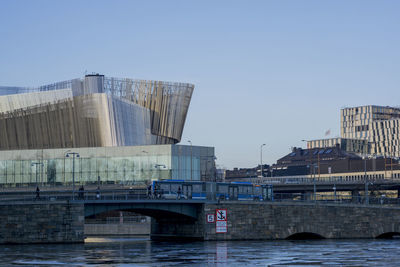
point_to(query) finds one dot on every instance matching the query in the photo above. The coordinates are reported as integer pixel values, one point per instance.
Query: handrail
(144, 195)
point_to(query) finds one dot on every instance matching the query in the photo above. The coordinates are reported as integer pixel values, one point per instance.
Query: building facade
(360, 146)
(96, 111)
(379, 125)
(126, 165)
(98, 130)
(366, 130)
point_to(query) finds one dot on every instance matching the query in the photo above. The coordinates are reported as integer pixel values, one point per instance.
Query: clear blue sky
(272, 72)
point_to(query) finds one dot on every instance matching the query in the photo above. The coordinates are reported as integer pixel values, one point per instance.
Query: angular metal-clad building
(96, 111)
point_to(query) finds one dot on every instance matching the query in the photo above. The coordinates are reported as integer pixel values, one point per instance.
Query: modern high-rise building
(98, 130)
(366, 130)
(379, 125)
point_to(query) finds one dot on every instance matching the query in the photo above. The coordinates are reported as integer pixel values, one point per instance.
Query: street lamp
(191, 160)
(74, 155)
(315, 186)
(36, 168)
(261, 174)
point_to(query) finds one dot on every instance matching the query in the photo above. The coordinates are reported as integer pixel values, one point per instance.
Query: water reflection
(143, 252)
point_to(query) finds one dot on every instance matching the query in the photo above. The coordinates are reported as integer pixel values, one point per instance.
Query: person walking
(179, 192)
(149, 192)
(37, 192)
(81, 192)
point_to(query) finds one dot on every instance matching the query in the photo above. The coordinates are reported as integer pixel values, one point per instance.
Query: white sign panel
(221, 227)
(210, 218)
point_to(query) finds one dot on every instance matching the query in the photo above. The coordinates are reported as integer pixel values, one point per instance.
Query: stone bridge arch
(304, 236)
(170, 219)
(388, 235)
(157, 210)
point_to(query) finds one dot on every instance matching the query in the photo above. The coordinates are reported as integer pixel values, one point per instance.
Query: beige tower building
(379, 125)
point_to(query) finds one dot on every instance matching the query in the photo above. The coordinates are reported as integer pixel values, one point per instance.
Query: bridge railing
(143, 194)
(337, 180)
(62, 195)
(338, 199)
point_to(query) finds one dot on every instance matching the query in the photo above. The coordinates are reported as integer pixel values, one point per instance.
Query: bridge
(307, 186)
(56, 217)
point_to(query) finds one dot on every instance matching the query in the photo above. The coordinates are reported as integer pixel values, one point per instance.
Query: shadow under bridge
(155, 209)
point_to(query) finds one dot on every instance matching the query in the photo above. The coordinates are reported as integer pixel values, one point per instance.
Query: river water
(143, 252)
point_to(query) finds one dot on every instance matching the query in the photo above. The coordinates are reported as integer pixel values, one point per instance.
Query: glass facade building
(128, 165)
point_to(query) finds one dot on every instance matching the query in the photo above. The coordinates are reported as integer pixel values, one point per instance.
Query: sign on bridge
(221, 225)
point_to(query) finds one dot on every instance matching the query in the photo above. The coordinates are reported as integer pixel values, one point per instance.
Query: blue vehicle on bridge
(182, 189)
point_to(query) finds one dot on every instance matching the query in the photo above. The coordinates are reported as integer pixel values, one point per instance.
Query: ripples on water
(143, 252)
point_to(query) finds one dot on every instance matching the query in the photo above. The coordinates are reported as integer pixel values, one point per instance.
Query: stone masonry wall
(35, 222)
(255, 221)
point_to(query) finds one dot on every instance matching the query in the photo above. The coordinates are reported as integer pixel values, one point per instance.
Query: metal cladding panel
(130, 123)
(93, 84)
(168, 103)
(22, 101)
(79, 122)
(71, 114)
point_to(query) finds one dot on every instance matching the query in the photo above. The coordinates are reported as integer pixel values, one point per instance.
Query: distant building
(328, 160)
(241, 173)
(366, 130)
(377, 124)
(359, 146)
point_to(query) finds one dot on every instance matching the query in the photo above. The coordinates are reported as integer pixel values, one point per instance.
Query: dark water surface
(143, 252)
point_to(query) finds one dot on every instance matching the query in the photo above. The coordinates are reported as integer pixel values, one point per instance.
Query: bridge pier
(41, 222)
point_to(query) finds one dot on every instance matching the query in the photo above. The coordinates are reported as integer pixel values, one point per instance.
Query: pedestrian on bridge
(179, 192)
(37, 192)
(81, 192)
(149, 193)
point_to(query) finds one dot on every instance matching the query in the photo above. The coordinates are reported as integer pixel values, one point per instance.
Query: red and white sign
(210, 218)
(221, 225)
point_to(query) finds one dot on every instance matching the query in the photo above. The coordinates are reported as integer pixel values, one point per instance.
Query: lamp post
(74, 155)
(36, 169)
(315, 185)
(261, 174)
(191, 160)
